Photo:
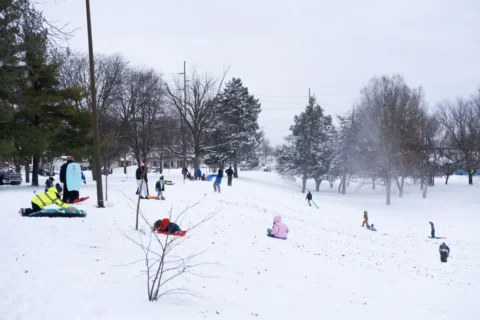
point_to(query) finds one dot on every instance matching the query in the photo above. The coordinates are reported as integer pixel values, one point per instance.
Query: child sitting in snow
(165, 225)
(280, 230)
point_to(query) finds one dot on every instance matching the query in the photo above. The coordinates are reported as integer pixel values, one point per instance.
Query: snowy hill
(329, 268)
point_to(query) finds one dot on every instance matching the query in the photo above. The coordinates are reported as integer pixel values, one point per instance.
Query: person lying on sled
(280, 230)
(41, 200)
(165, 225)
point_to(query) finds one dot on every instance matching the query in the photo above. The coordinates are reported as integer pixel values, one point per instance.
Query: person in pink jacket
(280, 230)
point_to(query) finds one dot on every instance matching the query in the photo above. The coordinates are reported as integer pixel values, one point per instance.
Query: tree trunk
(106, 177)
(470, 177)
(332, 183)
(389, 190)
(340, 186)
(421, 183)
(318, 182)
(92, 166)
(196, 161)
(373, 183)
(27, 172)
(425, 192)
(446, 179)
(235, 168)
(125, 164)
(36, 161)
(304, 183)
(344, 182)
(400, 186)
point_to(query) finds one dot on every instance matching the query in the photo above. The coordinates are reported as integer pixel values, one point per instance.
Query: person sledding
(444, 252)
(433, 229)
(309, 198)
(41, 200)
(280, 230)
(365, 218)
(372, 227)
(160, 188)
(165, 226)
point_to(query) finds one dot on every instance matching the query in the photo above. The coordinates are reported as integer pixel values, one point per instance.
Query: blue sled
(56, 213)
(269, 231)
(437, 237)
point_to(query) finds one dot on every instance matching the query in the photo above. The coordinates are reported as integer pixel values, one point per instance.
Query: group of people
(142, 183)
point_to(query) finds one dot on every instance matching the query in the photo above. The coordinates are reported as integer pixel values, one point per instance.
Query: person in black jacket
(444, 252)
(309, 198)
(229, 173)
(63, 179)
(141, 174)
(433, 229)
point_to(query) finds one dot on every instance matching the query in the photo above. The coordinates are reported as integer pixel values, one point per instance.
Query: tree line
(45, 102)
(389, 136)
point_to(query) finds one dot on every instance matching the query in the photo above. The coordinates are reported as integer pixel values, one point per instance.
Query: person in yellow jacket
(41, 200)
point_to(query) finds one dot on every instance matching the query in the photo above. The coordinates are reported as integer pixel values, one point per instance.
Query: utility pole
(185, 110)
(96, 137)
(308, 95)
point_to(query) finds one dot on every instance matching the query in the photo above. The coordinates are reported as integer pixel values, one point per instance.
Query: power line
(283, 102)
(281, 97)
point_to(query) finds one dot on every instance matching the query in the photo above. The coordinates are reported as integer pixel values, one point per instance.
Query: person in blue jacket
(198, 174)
(218, 181)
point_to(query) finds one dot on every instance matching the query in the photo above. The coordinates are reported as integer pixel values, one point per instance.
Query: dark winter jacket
(432, 225)
(220, 173)
(165, 225)
(309, 196)
(141, 173)
(444, 247)
(160, 186)
(63, 171)
(229, 172)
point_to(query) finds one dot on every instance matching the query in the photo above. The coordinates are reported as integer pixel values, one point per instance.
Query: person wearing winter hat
(160, 187)
(141, 174)
(63, 179)
(41, 200)
(49, 183)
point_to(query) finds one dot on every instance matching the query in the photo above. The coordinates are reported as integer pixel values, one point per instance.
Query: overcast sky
(281, 48)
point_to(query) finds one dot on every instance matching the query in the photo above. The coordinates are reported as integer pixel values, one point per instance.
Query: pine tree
(236, 133)
(309, 149)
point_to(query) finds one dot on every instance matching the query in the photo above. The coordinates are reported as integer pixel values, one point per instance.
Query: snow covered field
(329, 268)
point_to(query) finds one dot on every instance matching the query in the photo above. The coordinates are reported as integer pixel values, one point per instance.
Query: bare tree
(198, 109)
(140, 108)
(462, 125)
(383, 114)
(163, 264)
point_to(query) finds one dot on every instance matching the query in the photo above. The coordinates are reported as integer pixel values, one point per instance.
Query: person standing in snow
(280, 230)
(229, 173)
(141, 175)
(433, 229)
(365, 218)
(160, 187)
(309, 198)
(444, 252)
(63, 179)
(218, 181)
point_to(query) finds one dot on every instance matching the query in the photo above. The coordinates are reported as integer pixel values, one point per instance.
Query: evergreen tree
(235, 134)
(309, 149)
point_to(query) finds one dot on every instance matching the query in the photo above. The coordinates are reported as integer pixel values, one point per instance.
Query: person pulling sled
(309, 198)
(433, 229)
(365, 218)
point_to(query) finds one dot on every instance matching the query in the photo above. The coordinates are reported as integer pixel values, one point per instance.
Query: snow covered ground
(329, 268)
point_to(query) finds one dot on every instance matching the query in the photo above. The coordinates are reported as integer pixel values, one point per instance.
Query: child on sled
(165, 225)
(280, 230)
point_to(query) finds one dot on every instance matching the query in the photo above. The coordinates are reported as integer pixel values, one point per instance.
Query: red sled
(177, 234)
(80, 199)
